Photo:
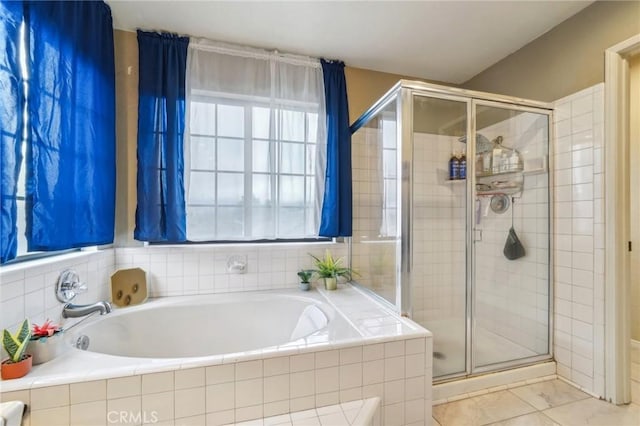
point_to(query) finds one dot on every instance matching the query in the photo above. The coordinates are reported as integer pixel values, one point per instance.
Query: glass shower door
(438, 229)
(376, 238)
(511, 236)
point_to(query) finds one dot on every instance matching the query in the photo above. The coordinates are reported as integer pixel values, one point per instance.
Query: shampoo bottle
(463, 166)
(454, 167)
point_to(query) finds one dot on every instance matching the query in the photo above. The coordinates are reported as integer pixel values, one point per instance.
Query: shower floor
(449, 347)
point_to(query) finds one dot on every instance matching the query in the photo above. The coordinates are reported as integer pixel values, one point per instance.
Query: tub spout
(75, 311)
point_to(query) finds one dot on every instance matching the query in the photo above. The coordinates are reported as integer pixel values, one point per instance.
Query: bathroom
(578, 320)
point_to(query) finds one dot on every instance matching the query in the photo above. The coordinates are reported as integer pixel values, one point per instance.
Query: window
(21, 196)
(255, 146)
(389, 178)
(252, 169)
(48, 155)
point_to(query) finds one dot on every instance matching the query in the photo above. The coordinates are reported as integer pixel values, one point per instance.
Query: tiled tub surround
(387, 360)
(579, 238)
(27, 289)
(202, 269)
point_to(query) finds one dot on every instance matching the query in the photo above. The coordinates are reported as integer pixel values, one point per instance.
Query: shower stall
(433, 235)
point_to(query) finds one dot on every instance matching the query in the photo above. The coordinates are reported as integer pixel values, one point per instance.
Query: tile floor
(364, 412)
(549, 403)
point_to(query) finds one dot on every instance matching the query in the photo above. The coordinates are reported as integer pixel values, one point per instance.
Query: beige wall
(634, 162)
(126, 51)
(568, 58)
(364, 87)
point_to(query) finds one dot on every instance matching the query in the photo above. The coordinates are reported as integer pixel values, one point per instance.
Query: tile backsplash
(187, 270)
(28, 289)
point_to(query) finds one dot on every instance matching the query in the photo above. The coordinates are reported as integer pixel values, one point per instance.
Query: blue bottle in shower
(454, 167)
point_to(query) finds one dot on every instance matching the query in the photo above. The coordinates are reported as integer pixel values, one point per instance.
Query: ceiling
(449, 41)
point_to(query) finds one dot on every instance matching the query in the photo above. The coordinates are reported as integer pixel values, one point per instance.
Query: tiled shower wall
(579, 238)
(512, 296)
(439, 238)
(373, 254)
(439, 221)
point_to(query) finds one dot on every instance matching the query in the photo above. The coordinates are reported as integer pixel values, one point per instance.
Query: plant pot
(330, 283)
(45, 349)
(304, 286)
(15, 370)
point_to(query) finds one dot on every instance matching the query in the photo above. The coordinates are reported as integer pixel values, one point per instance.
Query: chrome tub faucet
(67, 288)
(70, 310)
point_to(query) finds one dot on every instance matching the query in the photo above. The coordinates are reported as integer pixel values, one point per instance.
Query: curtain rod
(250, 52)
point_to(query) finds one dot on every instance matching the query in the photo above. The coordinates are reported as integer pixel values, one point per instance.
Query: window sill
(238, 244)
(49, 260)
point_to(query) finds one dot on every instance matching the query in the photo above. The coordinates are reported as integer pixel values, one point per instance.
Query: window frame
(248, 103)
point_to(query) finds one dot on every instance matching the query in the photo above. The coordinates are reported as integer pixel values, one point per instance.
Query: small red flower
(47, 329)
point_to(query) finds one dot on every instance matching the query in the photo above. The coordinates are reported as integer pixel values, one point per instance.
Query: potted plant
(46, 342)
(329, 270)
(18, 364)
(305, 279)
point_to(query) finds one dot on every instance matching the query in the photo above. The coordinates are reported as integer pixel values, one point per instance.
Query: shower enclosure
(436, 247)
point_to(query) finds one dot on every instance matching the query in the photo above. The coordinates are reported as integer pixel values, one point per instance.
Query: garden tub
(200, 326)
(226, 358)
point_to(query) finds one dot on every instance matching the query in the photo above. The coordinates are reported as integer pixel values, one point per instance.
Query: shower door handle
(477, 235)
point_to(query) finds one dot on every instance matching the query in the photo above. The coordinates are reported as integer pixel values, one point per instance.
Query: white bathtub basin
(197, 326)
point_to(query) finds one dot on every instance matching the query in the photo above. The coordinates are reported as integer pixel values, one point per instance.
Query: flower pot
(45, 349)
(330, 283)
(15, 370)
(304, 286)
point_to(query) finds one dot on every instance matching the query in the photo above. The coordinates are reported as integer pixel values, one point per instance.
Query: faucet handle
(79, 287)
(69, 286)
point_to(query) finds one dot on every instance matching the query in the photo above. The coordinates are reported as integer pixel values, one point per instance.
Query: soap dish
(129, 287)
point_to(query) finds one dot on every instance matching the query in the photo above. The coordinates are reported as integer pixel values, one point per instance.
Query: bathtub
(201, 326)
(226, 358)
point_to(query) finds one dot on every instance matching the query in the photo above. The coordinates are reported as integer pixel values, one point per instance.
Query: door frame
(617, 283)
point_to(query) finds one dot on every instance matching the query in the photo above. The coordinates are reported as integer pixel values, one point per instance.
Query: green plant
(328, 267)
(15, 344)
(305, 275)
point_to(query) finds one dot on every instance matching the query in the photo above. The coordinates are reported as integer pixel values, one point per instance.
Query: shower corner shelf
(500, 191)
(511, 182)
(502, 173)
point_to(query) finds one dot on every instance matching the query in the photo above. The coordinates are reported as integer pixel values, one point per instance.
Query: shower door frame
(520, 362)
(402, 93)
(406, 202)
